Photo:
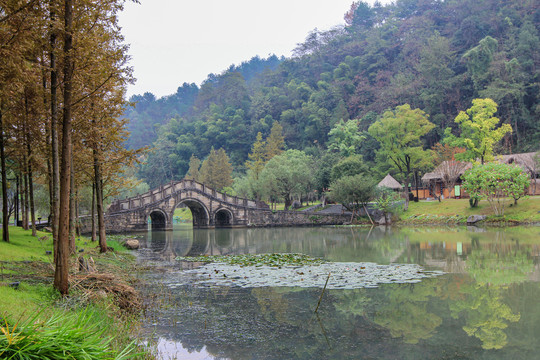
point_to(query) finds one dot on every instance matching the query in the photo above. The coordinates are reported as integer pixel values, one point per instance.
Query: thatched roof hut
(390, 182)
(526, 161)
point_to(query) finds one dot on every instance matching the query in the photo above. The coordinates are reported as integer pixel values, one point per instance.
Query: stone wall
(262, 218)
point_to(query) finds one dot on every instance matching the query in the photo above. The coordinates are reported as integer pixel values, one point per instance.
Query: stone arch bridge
(210, 209)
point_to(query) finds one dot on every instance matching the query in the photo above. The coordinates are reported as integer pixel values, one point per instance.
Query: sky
(177, 41)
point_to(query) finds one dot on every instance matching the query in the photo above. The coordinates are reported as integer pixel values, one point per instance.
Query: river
(484, 305)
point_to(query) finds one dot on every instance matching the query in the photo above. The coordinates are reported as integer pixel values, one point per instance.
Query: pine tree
(193, 172)
(216, 170)
(275, 142)
(257, 157)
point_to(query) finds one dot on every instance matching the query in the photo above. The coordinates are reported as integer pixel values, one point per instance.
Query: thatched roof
(436, 174)
(526, 161)
(390, 182)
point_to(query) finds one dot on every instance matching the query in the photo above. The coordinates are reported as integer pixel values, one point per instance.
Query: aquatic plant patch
(275, 260)
(343, 275)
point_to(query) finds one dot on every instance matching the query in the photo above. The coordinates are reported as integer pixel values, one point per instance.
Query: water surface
(485, 306)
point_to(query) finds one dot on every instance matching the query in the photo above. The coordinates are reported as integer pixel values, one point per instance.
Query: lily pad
(297, 270)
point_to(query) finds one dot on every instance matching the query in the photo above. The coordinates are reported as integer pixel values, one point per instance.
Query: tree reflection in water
(486, 307)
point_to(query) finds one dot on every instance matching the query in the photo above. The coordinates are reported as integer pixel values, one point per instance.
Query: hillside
(434, 55)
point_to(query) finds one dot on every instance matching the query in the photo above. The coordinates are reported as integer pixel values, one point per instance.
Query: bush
(497, 183)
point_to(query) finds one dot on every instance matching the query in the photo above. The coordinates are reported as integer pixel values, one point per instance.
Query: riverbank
(103, 308)
(456, 211)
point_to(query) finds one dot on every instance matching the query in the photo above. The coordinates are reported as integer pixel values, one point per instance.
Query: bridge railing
(164, 191)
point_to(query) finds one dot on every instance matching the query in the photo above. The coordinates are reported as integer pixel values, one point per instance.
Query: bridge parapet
(165, 191)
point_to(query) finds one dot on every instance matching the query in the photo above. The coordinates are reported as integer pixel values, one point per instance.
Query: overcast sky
(177, 41)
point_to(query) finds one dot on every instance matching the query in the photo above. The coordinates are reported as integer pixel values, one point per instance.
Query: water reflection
(485, 307)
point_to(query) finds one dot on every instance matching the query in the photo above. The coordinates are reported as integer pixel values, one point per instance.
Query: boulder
(296, 204)
(473, 219)
(132, 244)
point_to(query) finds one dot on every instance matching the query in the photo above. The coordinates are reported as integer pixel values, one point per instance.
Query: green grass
(457, 211)
(35, 301)
(183, 215)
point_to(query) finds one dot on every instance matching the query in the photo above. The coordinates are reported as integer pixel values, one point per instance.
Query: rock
(384, 221)
(473, 219)
(132, 244)
(47, 229)
(296, 204)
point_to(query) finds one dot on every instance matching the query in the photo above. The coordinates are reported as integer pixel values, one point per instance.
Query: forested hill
(434, 55)
(148, 113)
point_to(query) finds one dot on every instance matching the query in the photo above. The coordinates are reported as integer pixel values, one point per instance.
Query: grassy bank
(456, 211)
(99, 317)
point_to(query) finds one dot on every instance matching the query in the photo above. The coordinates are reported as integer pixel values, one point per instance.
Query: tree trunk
(99, 203)
(77, 225)
(5, 215)
(31, 187)
(31, 198)
(61, 274)
(93, 210)
(54, 132)
(406, 207)
(17, 202)
(72, 210)
(25, 196)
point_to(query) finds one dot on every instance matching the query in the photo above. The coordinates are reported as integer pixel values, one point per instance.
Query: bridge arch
(223, 217)
(199, 212)
(159, 219)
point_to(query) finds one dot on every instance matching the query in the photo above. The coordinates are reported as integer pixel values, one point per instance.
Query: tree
(399, 133)
(287, 175)
(275, 142)
(353, 192)
(350, 166)
(478, 133)
(345, 137)
(216, 170)
(193, 172)
(257, 157)
(496, 182)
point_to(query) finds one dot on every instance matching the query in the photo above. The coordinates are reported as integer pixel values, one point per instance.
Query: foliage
(399, 133)
(387, 201)
(273, 260)
(350, 166)
(61, 336)
(478, 132)
(345, 138)
(287, 175)
(193, 172)
(216, 170)
(275, 142)
(353, 192)
(496, 182)
(435, 56)
(256, 158)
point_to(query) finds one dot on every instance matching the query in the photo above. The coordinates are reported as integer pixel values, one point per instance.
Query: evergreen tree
(193, 172)
(216, 170)
(257, 157)
(275, 142)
